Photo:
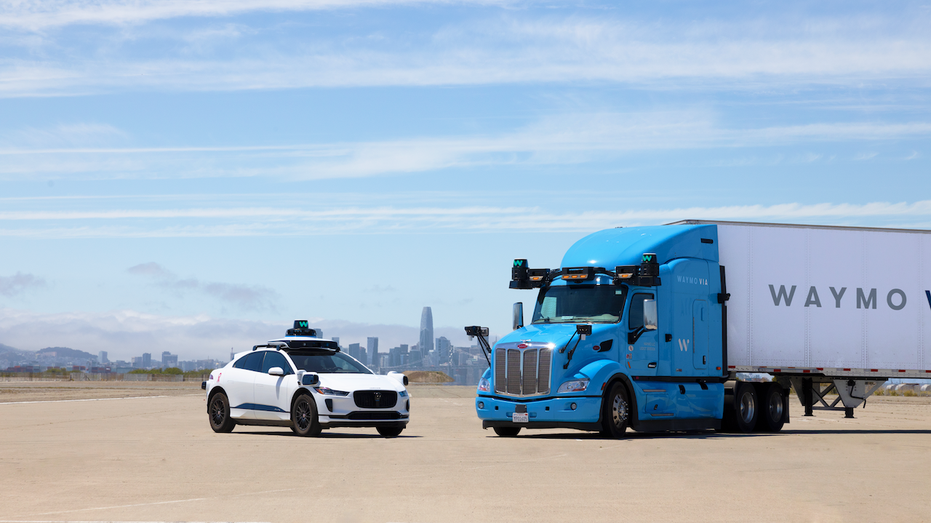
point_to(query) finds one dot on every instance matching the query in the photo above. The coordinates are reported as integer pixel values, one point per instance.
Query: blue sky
(193, 175)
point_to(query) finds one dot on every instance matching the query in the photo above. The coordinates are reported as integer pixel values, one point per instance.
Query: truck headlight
(330, 392)
(573, 386)
(484, 385)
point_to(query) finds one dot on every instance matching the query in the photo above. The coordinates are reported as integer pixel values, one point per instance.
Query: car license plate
(520, 417)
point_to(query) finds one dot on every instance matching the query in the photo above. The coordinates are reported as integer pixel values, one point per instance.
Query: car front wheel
(218, 412)
(304, 416)
(389, 432)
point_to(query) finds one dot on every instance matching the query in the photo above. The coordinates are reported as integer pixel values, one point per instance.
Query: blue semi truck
(652, 328)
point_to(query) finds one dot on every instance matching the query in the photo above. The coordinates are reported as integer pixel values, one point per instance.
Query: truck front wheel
(616, 412)
(507, 432)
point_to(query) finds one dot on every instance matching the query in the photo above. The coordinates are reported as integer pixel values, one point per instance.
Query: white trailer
(828, 308)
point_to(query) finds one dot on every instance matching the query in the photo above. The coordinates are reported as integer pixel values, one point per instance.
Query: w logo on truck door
(684, 345)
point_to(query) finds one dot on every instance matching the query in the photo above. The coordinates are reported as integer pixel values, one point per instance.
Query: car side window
(254, 361)
(275, 359)
(241, 362)
(636, 309)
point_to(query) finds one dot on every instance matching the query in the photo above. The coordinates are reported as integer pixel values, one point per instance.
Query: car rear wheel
(389, 432)
(304, 416)
(218, 413)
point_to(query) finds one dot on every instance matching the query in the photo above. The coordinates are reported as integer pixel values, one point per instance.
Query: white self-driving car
(304, 382)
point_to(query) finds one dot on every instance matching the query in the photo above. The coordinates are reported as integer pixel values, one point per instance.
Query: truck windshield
(580, 303)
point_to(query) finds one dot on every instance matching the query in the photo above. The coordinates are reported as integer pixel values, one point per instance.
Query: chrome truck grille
(523, 369)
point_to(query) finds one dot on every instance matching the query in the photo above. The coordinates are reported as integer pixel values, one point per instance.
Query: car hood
(351, 382)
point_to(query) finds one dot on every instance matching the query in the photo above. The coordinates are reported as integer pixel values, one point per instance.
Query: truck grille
(375, 399)
(522, 371)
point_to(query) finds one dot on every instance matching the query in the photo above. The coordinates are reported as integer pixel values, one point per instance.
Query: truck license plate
(520, 417)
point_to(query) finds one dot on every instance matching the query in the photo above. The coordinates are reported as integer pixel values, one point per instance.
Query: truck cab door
(700, 332)
(642, 354)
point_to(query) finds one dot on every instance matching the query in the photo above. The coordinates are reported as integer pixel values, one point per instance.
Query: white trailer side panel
(827, 297)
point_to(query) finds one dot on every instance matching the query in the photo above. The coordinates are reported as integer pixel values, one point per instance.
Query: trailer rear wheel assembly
(772, 412)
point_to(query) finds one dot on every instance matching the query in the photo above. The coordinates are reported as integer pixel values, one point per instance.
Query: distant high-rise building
(372, 346)
(169, 360)
(443, 348)
(146, 360)
(102, 357)
(356, 351)
(426, 331)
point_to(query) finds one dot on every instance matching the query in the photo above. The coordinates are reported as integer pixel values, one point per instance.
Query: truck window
(636, 310)
(580, 303)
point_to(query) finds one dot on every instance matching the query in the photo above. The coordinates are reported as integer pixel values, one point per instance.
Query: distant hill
(65, 353)
(428, 376)
(7, 348)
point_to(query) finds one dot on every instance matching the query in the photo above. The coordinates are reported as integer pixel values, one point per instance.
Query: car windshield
(326, 361)
(580, 303)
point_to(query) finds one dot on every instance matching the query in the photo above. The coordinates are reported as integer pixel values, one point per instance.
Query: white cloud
(761, 54)
(290, 221)
(62, 135)
(37, 15)
(557, 140)
(19, 283)
(243, 297)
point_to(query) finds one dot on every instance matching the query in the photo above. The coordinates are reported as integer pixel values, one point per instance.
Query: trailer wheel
(772, 408)
(507, 432)
(616, 412)
(745, 406)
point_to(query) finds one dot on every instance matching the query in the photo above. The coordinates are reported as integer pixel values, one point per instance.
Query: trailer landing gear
(851, 393)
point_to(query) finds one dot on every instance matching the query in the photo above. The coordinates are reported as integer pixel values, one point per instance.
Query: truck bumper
(557, 412)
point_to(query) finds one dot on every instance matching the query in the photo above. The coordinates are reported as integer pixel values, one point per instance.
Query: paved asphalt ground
(144, 452)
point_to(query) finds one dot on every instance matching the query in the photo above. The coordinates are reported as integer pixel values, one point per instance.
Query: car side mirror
(307, 378)
(276, 371)
(400, 377)
(649, 315)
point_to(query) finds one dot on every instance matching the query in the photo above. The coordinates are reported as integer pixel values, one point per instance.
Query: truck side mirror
(518, 315)
(649, 315)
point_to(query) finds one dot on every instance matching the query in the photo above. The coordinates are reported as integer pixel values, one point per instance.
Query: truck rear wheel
(745, 406)
(615, 414)
(772, 411)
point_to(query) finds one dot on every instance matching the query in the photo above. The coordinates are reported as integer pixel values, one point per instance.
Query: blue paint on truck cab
(625, 373)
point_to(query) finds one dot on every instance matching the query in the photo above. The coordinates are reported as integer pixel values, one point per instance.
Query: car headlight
(403, 394)
(330, 392)
(573, 386)
(484, 385)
